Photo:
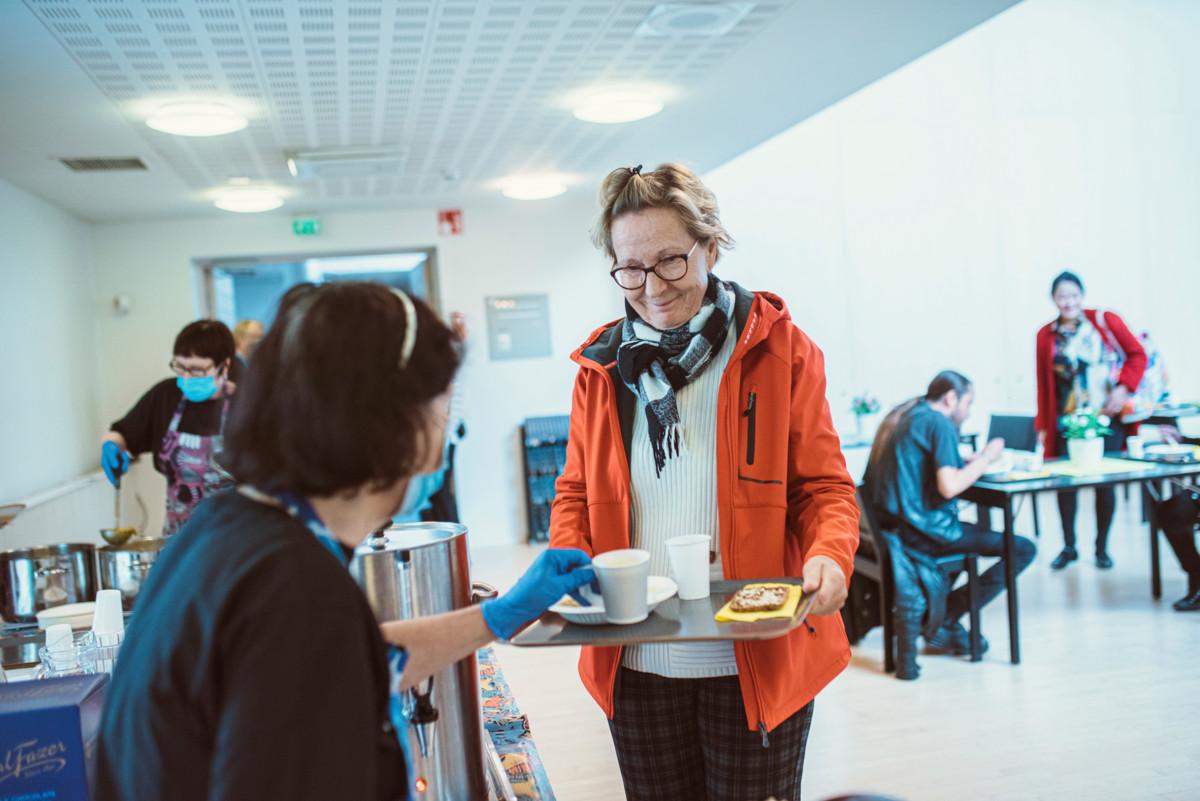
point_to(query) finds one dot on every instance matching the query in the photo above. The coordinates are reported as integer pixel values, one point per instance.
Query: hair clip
(636, 170)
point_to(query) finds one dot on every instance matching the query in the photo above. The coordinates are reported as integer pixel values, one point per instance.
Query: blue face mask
(421, 488)
(197, 389)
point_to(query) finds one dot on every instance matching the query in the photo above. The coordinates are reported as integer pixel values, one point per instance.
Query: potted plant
(1085, 432)
(863, 405)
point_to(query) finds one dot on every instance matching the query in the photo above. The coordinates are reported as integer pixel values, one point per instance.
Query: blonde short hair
(670, 186)
(243, 327)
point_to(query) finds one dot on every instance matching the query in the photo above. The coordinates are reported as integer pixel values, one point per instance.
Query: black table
(1001, 494)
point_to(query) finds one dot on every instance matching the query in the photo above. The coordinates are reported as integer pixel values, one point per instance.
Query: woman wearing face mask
(254, 667)
(180, 420)
(1078, 354)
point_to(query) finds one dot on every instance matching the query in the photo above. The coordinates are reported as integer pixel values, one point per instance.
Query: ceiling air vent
(351, 163)
(693, 19)
(104, 165)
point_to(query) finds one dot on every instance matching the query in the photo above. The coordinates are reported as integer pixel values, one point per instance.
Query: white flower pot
(1086, 453)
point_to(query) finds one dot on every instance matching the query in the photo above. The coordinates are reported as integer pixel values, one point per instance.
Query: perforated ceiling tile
(466, 87)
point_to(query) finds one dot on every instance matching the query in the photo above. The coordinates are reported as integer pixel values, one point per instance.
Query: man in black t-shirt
(914, 487)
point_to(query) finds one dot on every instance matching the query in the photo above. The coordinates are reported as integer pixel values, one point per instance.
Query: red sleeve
(569, 525)
(820, 493)
(1135, 355)
(1044, 421)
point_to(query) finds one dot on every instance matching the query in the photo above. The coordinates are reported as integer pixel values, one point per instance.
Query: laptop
(1016, 430)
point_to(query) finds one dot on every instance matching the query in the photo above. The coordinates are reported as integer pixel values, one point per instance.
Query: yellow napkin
(727, 615)
(1018, 475)
(1107, 466)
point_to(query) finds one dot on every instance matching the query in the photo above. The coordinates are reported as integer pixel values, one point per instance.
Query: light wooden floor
(1105, 705)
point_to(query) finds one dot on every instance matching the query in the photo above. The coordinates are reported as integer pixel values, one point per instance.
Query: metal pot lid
(44, 551)
(410, 537)
(138, 546)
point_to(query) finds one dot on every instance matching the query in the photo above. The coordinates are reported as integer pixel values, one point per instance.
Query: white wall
(48, 420)
(507, 248)
(911, 227)
(917, 224)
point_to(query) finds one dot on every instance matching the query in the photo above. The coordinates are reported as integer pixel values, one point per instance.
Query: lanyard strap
(298, 507)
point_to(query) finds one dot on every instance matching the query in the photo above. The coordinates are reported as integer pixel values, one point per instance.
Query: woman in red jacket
(1077, 355)
(702, 411)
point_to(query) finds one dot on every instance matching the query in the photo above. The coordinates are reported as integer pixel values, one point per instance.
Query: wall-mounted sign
(518, 326)
(306, 226)
(450, 222)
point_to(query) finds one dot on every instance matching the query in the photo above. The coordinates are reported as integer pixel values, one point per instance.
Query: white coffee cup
(689, 556)
(1135, 446)
(624, 578)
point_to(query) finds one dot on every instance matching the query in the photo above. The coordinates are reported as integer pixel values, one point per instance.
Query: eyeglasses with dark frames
(190, 372)
(668, 268)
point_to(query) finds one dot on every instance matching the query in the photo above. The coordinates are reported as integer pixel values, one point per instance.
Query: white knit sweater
(682, 501)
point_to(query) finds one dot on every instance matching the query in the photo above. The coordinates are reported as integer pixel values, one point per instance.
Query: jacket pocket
(751, 415)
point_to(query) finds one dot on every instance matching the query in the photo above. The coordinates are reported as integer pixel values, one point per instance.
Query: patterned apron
(189, 463)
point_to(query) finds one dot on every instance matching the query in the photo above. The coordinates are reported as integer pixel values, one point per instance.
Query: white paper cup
(689, 564)
(624, 580)
(59, 637)
(109, 619)
(1135, 446)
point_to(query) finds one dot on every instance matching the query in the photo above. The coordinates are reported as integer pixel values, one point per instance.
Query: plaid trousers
(687, 740)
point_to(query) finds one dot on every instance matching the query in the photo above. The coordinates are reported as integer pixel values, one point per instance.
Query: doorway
(235, 289)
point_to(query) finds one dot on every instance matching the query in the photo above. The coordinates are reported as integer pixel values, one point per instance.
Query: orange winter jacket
(783, 493)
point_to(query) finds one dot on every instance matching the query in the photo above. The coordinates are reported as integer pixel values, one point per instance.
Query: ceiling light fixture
(693, 19)
(196, 118)
(617, 105)
(248, 199)
(534, 186)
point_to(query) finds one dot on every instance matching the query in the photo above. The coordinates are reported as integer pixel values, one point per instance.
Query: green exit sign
(306, 226)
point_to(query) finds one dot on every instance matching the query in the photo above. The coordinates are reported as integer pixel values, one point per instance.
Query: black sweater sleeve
(143, 425)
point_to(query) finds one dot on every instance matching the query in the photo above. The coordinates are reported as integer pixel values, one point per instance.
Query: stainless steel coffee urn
(418, 569)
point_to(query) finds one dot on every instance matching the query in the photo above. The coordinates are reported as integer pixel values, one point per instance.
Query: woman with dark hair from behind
(180, 420)
(1087, 360)
(255, 667)
(915, 475)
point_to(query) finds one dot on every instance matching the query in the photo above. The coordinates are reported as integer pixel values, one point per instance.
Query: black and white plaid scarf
(656, 364)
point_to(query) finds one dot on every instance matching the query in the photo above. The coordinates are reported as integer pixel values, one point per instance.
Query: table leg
(1010, 581)
(1155, 567)
(1037, 526)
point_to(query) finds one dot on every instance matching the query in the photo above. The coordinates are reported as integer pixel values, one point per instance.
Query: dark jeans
(1178, 517)
(1106, 505)
(985, 542)
(687, 740)
(1106, 497)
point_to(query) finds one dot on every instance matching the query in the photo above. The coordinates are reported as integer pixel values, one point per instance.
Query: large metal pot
(33, 579)
(419, 569)
(125, 567)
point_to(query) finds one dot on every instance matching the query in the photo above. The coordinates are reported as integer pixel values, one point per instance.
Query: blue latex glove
(114, 461)
(556, 572)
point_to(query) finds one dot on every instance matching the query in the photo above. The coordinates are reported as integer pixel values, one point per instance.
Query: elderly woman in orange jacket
(703, 411)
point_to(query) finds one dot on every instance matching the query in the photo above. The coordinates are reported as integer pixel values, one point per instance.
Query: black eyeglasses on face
(668, 268)
(191, 372)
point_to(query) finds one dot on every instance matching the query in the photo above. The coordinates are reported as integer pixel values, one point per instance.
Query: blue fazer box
(48, 732)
